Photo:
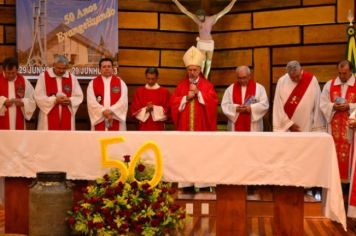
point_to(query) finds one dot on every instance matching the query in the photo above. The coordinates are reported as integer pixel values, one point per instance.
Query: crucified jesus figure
(205, 42)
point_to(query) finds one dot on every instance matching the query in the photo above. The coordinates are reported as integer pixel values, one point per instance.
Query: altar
(228, 159)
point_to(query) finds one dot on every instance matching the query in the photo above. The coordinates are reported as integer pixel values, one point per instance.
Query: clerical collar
(155, 86)
(104, 77)
(53, 75)
(192, 81)
(349, 82)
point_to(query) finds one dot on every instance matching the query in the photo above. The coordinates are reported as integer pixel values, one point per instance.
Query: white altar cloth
(238, 158)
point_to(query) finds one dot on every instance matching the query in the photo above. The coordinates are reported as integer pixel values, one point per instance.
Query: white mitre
(193, 57)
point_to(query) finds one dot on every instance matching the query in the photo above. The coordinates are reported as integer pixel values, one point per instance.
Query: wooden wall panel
(253, 38)
(136, 76)
(308, 54)
(343, 6)
(133, 57)
(2, 36)
(1, 1)
(232, 58)
(300, 16)
(241, 21)
(138, 20)
(177, 23)
(183, 23)
(7, 51)
(10, 2)
(221, 59)
(149, 39)
(171, 58)
(317, 2)
(258, 5)
(223, 77)
(140, 5)
(262, 64)
(10, 34)
(325, 34)
(323, 73)
(7, 15)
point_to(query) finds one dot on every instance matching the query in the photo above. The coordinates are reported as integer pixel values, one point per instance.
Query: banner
(351, 47)
(83, 30)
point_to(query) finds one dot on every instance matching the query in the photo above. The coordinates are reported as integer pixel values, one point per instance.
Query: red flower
(154, 222)
(174, 207)
(164, 190)
(156, 206)
(124, 226)
(172, 191)
(145, 186)
(148, 191)
(105, 211)
(76, 208)
(71, 220)
(94, 199)
(160, 214)
(90, 224)
(138, 229)
(99, 225)
(141, 167)
(106, 177)
(86, 212)
(127, 158)
(134, 185)
(109, 192)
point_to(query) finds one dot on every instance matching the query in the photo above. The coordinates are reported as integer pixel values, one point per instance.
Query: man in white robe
(107, 99)
(296, 102)
(17, 103)
(248, 105)
(58, 95)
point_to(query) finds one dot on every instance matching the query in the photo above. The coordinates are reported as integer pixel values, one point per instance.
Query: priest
(338, 101)
(245, 103)
(150, 104)
(107, 99)
(17, 103)
(58, 95)
(194, 101)
(296, 101)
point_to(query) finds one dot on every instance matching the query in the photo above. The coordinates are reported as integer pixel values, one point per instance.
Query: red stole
(19, 93)
(297, 94)
(339, 129)
(55, 121)
(243, 122)
(115, 94)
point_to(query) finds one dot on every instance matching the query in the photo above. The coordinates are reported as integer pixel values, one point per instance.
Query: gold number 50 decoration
(130, 172)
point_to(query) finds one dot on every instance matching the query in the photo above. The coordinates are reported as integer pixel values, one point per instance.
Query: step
(204, 204)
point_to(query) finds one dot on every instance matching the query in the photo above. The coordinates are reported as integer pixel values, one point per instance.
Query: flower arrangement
(110, 207)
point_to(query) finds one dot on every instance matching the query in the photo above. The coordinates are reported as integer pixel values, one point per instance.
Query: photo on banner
(83, 30)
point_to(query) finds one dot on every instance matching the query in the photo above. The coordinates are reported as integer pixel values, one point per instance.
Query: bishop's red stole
(339, 129)
(115, 94)
(19, 93)
(243, 122)
(55, 120)
(297, 94)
